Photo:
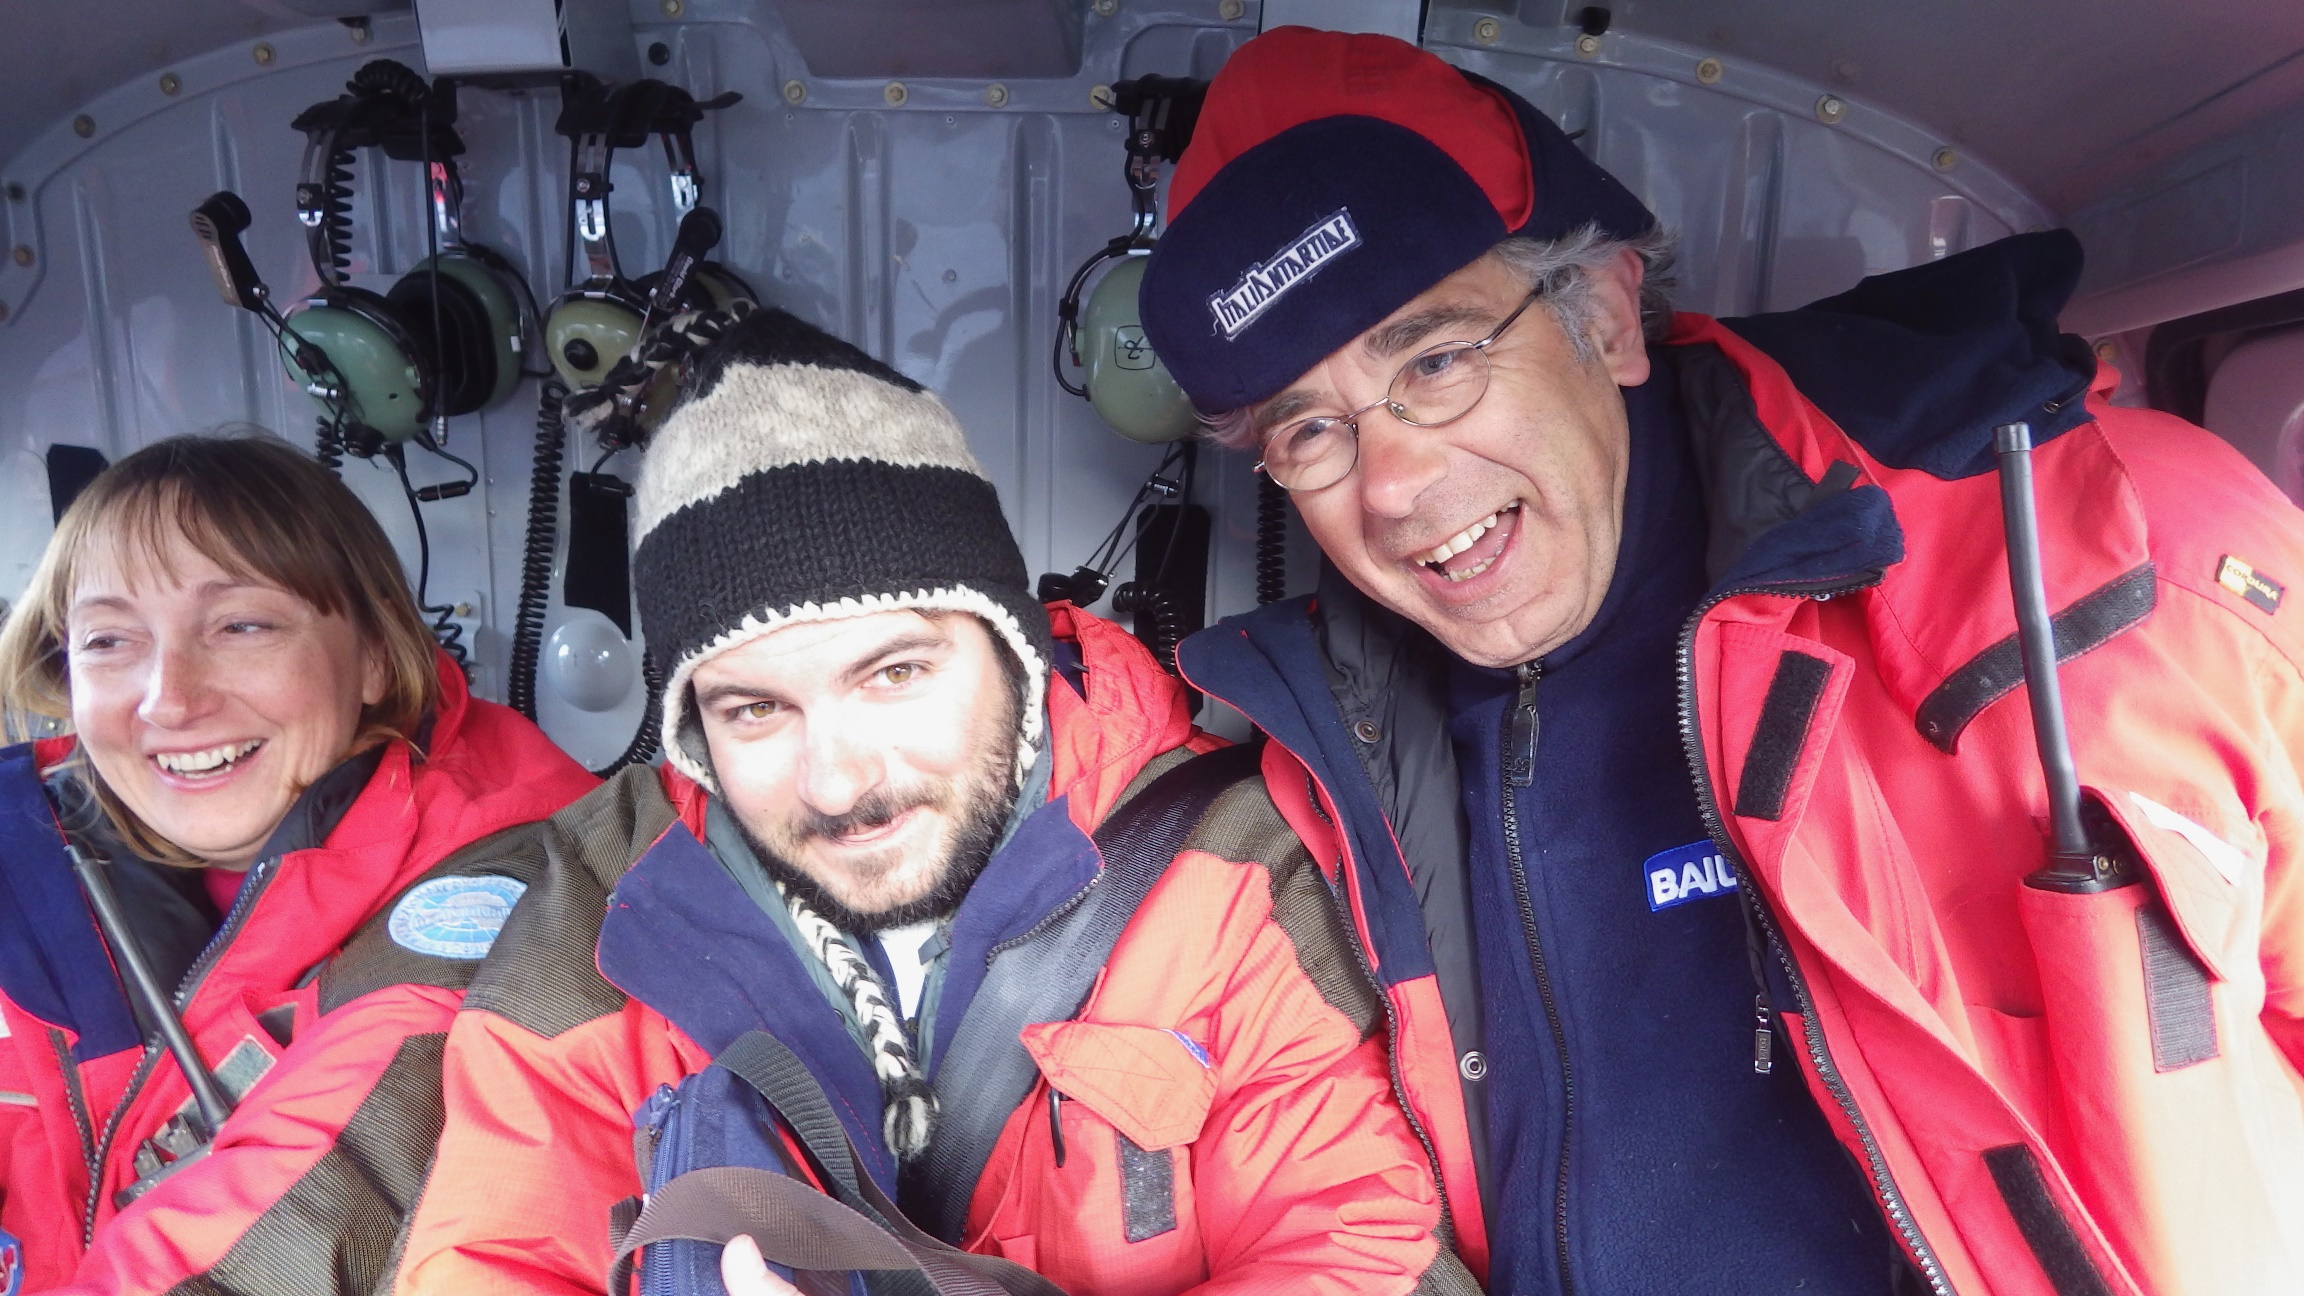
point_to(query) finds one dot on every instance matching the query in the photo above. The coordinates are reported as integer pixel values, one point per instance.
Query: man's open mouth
(1452, 558)
(877, 829)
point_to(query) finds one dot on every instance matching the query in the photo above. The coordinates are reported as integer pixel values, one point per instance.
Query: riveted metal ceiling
(56, 55)
(2068, 98)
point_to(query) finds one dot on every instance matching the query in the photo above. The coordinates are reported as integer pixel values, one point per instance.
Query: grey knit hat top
(798, 479)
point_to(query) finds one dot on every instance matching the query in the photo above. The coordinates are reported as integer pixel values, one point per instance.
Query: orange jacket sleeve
(2282, 943)
(1308, 1176)
(535, 1149)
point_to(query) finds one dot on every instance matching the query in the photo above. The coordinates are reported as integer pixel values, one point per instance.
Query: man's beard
(984, 798)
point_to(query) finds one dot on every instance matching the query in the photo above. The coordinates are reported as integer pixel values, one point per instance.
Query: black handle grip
(217, 222)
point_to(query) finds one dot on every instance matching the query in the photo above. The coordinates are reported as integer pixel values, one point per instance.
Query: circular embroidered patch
(455, 917)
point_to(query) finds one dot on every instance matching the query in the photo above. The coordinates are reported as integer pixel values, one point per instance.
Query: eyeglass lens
(1436, 385)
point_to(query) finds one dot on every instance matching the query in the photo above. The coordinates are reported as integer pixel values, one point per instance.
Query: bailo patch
(2250, 584)
(1695, 871)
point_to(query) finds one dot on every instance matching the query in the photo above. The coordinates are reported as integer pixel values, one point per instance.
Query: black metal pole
(2037, 636)
(213, 1102)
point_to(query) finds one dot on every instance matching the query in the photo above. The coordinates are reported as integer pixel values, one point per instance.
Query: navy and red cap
(1331, 179)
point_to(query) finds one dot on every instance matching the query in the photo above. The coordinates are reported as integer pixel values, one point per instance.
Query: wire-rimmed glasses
(1436, 386)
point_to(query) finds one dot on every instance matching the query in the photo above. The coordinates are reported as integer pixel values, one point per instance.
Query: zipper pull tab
(1521, 743)
(1763, 1038)
(1056, 1123)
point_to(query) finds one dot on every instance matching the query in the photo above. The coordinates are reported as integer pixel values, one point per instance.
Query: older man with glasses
(1655, 714)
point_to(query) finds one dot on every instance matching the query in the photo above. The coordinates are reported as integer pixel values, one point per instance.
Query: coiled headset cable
(441, 617)
(536, 549)
(1271, 541)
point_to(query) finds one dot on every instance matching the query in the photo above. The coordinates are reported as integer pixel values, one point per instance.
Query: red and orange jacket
(1208, 1042)
(2050, 1093)
(330, 1126)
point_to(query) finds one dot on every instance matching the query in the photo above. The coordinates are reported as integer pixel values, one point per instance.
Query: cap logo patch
(1238, 306)
(2250, 584)
(455, 917)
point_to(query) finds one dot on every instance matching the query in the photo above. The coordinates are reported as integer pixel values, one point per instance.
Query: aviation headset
(600, 319)
(1133, 393)
(447, 338)
(1125, 380)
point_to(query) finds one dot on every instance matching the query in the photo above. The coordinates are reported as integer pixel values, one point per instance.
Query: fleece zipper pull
(1756, 952)
(1520, 737)
(1763, 1037)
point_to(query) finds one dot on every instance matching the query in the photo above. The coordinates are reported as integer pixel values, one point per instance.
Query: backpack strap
(782, 1079)
(1046, 976)
(817, 1236)
(819, 1239)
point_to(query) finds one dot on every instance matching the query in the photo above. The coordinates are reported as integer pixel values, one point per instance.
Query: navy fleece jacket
(1633, 1148)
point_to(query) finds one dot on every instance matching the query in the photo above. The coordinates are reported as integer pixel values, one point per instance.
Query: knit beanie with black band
(797, 479)
(1331, 179)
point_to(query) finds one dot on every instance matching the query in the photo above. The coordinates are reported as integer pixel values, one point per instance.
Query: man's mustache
(875, 809)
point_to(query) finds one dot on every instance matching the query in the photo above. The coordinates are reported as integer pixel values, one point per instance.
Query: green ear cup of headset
(723, 287)
(586, 336)
(382, 389)
(503, 317)
(1126, 382)
(656, 401)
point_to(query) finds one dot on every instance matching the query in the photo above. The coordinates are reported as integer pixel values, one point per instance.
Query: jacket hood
(1120, 711)
(1918, 366)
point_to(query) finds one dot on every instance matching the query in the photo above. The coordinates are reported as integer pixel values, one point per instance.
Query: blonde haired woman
(268, 754)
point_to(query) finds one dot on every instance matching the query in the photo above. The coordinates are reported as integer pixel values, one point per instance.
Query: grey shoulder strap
(1045, 976)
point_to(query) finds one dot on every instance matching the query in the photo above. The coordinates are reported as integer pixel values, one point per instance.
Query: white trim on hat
(952, 598)
(764, 416)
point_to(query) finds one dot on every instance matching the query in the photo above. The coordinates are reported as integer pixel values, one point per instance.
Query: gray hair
(1564, 269)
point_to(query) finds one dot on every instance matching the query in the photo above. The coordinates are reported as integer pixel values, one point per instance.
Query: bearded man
(896, 785)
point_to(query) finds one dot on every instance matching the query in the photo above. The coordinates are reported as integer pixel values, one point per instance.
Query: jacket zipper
(75, 1097)
(1519, 770)
(1819, 1053)
(259, 877)
(1391, 1010)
